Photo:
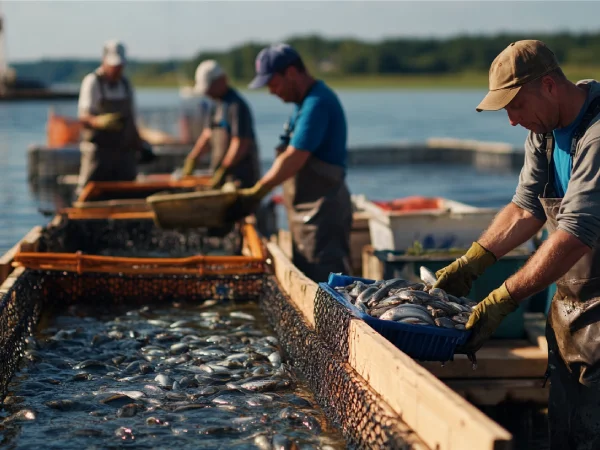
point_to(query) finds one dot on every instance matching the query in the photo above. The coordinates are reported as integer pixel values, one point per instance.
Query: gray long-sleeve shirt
(579, 212)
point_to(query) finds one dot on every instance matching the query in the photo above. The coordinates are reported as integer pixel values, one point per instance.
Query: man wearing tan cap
(230, 133)
(559, 186)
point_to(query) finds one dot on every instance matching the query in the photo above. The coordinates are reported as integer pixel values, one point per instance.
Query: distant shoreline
(466, 80)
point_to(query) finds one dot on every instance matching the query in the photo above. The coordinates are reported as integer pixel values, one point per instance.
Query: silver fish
(358, 289)
(366, 294)
(417, 297)
(427, 276)
(460, 319)
(403, 311)
(445, 322)
(439, 293)
(383, 292)
(378, 312)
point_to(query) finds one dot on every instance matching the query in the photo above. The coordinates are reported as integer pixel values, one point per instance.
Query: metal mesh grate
(136, 238)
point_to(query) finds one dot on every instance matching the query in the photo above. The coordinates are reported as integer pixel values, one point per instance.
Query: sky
(180, 29)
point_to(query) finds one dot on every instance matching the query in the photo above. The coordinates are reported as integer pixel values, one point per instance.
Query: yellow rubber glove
(487, 317)
(188, 167)
(457, 278)
(218, 178)
(247, 201)
(110, 121)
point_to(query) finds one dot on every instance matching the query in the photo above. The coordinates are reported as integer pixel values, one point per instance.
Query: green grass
(465, 80)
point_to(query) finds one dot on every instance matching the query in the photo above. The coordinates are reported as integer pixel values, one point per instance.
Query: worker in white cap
(110, 141)
(229, 133)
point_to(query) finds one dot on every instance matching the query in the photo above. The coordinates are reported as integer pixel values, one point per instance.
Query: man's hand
(247, 201)
(218, 178)
(188, 166)
(110, 121)
(487, 317)
(457, 278)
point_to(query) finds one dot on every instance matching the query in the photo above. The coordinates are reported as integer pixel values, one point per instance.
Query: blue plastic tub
(422, 342)
(398, 264)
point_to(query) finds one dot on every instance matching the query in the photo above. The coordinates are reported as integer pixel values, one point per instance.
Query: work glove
(218, 178)
(246, 203)
(188, 167)
(487, 317)
(457, 278)
(110, 121)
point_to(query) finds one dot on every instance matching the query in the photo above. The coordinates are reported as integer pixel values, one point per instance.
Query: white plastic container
(454, 225)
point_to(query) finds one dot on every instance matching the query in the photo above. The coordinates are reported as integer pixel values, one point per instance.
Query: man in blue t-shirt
(311, 165)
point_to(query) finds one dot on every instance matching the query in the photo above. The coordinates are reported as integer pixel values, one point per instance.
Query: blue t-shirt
(563, 162)
(319, 125)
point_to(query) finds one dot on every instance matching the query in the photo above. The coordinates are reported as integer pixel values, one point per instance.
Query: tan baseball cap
(206, 73)
(517, 65)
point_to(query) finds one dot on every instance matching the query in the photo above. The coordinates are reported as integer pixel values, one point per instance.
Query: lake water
(381, 116)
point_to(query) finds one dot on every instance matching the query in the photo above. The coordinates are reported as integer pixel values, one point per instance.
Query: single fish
(439, 293)
(241, 315)
(383, 292)
(404, 311)
(445, 322)
(448, 307)
(366, 294)
(460, 319)
(378, 312)
(358, 289)
(417, 297)
(427, 276)
(436, 312)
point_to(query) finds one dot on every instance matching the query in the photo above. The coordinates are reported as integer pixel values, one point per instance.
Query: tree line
(345, 57)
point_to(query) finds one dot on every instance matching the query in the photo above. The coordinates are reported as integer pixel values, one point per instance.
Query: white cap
(206, 73)
(113, 53)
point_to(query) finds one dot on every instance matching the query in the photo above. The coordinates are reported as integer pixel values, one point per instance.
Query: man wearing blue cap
(311, 164)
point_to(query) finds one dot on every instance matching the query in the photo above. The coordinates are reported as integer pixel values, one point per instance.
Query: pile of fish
(208, 376)
(400, 300)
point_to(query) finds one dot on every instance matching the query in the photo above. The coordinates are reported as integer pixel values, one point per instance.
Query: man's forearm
(200, 147)
(236, 152)
(550, 262)
(510, 228)
(285, 166)
(87, 120)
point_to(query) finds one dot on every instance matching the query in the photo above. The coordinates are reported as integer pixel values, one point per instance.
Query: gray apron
(573, 335)
(110, 155)
(247, 171)
(319, 213)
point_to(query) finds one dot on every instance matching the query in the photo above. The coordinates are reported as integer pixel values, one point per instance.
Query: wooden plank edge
(301, 289)
(506, 359)
(11, 279)
(441, 417)
(494, 392)
(6, 260)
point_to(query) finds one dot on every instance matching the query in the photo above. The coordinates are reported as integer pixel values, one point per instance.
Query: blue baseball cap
(271, 60)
